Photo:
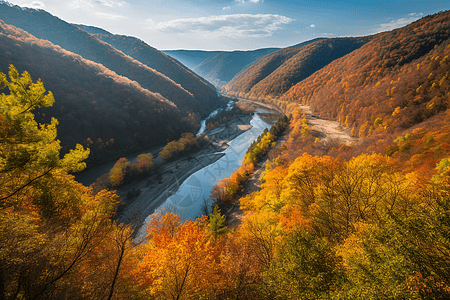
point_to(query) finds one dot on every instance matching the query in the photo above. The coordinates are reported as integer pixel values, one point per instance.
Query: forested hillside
(108, 113)
(45, 26)
(385, 89)
(395, 84)
(277, 72)
(159, 61)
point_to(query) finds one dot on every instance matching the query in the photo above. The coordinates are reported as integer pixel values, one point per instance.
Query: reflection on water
(192, 195)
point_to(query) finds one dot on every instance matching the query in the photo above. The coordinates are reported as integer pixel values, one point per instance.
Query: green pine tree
(216, 223)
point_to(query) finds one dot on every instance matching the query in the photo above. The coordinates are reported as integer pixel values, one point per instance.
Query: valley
(142, 197)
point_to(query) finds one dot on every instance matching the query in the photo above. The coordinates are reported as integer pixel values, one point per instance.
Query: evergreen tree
(216, 223)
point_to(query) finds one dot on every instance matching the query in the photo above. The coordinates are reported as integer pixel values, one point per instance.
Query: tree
(117, 173)
(216, 223)
(51, 226)
(178, 262)
(305, 267)
(28, 150)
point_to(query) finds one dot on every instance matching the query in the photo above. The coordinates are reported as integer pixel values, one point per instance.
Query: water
(230, 105)
(193, 194)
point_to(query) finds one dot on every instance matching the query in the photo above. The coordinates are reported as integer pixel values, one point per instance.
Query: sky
(237, 24)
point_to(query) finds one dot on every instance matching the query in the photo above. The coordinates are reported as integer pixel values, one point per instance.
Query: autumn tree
(305, 267)
(178, 262)
(50, 225)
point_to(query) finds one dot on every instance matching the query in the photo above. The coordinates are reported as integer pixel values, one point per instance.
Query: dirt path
(329, 130)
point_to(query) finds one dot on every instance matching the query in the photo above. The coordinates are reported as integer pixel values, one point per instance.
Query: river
(230, 105)
(189, 200)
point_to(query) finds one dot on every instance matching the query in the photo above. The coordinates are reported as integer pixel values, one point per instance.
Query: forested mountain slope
(109, 113)
(275, 73)
(398, 80)
(159, 61)
(395, 84)
(45, 26)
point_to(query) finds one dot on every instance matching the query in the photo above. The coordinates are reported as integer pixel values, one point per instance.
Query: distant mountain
(197, 103)
(224, 66)
(218, 67)
(109, 113)
(277, 72)
(191, 58)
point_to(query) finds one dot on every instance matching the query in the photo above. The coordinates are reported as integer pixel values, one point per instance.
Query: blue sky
(237, 24)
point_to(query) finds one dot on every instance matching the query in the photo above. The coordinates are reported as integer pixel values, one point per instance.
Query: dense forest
(320, 227)
(391, 92)
(277, 72)
(199, 87)
(364, 220)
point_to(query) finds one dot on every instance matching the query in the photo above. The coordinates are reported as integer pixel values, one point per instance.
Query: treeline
(188, 143)
(124, 171)
(226, 190)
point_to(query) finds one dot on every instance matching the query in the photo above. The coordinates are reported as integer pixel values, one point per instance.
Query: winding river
(192, 196)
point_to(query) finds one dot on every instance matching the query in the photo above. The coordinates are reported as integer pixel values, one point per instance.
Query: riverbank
(140, 198)
(327, 130)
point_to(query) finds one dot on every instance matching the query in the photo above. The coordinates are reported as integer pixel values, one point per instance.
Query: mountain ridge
(43, 25)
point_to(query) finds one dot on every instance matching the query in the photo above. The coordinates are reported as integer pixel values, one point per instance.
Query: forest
(368, 219)
(277, 72)
(320, 227)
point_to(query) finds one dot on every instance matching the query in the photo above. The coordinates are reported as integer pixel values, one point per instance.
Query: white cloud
(415, 14)
(91, 3)
(110, 3)
(36, 5)
(399, 23)
(81, 4)
(109, 16)
(228, 7)
(313, 26)
(236, 26)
